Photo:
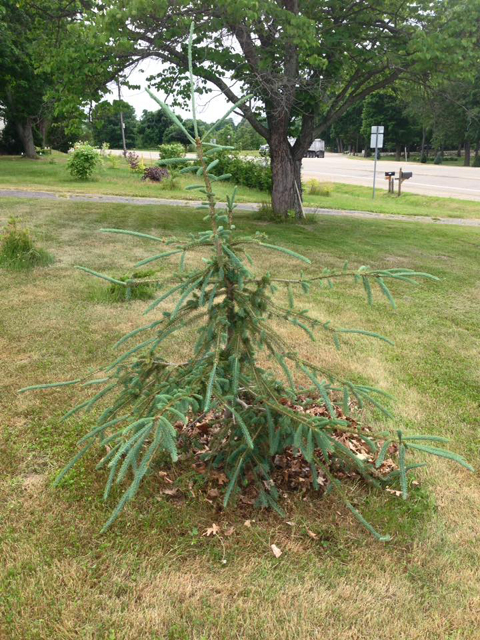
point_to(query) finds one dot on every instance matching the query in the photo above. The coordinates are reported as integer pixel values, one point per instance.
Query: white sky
(210, 107)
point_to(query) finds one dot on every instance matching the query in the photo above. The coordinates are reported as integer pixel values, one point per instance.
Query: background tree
(303, 61)
(347, 133)
(386, 108)
(151, 128)
(106, 124)
(246, 137)
(29, 31)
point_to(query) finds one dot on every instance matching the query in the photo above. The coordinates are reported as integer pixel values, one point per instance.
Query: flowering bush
(83, 161)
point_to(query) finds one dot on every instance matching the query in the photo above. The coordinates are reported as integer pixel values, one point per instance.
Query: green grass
(22, 173)
(154, 576)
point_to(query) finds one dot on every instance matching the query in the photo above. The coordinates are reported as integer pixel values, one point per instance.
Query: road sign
(376, 141)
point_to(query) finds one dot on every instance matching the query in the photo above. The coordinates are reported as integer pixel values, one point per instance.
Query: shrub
(135, 162)
(249, 172)
(155, 174)
(253, 420)
(476, 161)
(438, 159)
(108, 156)
(172, 180)
(423, 158)
(18, 251)
(171, 150)
(84, 160)
(316, 188)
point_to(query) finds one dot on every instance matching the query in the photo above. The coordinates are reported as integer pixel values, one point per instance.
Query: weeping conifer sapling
(233, 307)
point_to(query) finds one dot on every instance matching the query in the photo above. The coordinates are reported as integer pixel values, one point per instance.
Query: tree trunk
(398, 152)
(459, 150)
(466, 160)
(43, 128)
(286, 172)
(25, 133)
(477, 148)
(422, 148)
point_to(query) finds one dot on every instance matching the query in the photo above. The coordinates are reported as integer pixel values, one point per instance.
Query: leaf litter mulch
(292, 474)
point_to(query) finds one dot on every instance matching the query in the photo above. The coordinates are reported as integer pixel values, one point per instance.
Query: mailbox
(389, 174)
(406, 175)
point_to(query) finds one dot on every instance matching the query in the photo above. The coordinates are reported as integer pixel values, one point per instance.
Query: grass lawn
(154, 576)
(43, 175)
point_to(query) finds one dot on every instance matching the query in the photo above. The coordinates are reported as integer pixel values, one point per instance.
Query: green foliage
(267, 213)
(106, 125)
(135, 162)
(171, 150)
(18, 251)
(83, 161)
(438, 159)
(151, 128)
(140, 285)
(316, 188)
(476, 161)
(386, 108)
(171, 180)
(255, 174)
(230, 379)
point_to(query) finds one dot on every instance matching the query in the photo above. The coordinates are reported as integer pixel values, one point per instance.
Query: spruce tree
(259, 412)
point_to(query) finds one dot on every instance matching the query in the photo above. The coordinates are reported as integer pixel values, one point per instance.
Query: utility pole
(122, 123)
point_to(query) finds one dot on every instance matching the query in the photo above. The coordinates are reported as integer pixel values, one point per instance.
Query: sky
(210, 107)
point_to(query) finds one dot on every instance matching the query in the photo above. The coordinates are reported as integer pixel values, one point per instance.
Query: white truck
(315, 150)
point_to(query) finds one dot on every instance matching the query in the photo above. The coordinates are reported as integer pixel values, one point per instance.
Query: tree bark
(466, 160)
(25, 133)
(424, 136)
(286, 172)
(398, 151)
(43, 125)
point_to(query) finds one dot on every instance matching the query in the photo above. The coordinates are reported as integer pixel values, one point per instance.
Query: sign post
(376, 142)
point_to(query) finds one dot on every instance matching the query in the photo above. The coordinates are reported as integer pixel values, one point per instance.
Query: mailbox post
(390, 176)
(403, 175)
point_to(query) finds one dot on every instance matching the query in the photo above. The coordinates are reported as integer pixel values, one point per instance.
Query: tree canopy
(106, 125)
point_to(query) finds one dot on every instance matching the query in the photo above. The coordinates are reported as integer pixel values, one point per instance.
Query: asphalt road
(431, 180)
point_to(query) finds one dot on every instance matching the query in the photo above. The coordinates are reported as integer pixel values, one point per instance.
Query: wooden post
(400, 182)
(122, 124)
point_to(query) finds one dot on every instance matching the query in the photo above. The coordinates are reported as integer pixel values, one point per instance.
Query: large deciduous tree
(305, 62)
(29, 31)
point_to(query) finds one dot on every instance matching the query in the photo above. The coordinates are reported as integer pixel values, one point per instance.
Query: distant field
(50, 174)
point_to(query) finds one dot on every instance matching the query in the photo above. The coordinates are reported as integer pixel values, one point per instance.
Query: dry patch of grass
(155, 576)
